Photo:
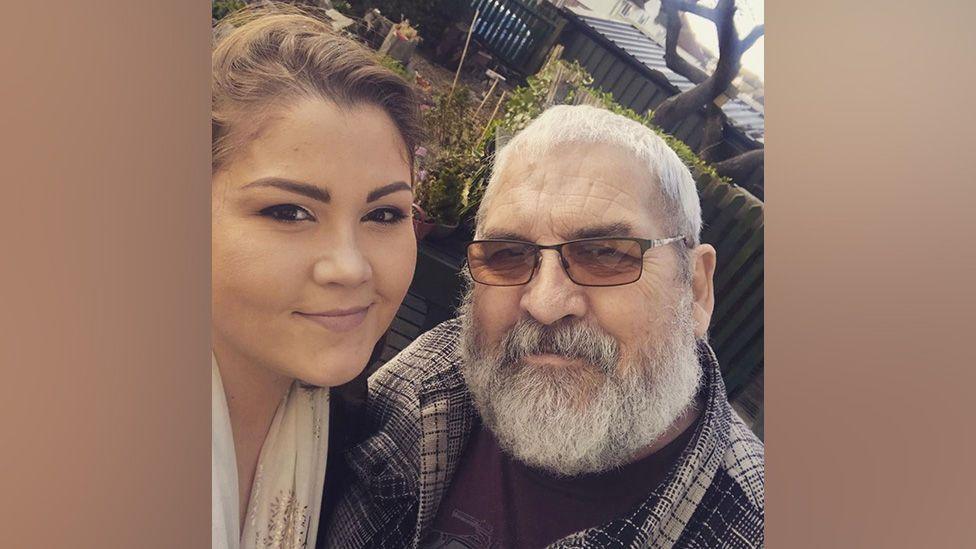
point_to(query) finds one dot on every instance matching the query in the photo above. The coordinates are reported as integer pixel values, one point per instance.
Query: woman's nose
(343, 264)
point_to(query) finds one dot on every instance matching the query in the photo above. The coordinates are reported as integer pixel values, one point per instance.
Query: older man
(575, 401)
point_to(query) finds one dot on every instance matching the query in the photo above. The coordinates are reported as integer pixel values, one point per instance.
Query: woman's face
(313, 246)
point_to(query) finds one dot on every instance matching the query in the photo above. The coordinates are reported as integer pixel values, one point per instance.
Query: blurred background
(690, 70)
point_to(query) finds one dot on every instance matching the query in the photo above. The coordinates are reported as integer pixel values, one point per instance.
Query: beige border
(870, 266)
(104, 340)
(105, 274)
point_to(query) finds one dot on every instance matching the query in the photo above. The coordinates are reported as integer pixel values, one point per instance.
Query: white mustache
(573, 340)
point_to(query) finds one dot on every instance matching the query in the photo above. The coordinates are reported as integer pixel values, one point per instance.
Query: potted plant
(400, 42)
(440, 192)
(445, 169)
(423, 224)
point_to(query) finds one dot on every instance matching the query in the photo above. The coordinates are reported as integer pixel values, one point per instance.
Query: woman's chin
(333, 369)
(328, 380)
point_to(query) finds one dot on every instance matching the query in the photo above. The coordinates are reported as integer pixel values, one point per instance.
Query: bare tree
(708, 86)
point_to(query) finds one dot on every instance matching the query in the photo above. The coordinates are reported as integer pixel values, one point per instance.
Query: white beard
(579, 419)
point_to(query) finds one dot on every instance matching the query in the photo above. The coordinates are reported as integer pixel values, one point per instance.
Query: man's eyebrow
(305, 189)
(501, 234)
(609, 230)
(379, 193)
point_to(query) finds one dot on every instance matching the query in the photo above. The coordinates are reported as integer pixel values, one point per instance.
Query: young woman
(313, 250)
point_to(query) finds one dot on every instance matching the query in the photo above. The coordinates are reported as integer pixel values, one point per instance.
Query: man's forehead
(529, 231)
(572, 189)
(599, 161)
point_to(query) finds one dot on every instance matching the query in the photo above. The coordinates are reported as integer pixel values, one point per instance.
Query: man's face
(575, 378)
(579, 191)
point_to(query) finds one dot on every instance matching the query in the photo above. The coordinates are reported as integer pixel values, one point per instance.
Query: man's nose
(551, 296)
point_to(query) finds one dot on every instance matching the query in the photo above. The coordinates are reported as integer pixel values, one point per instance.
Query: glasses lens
(604, 262)
(501, 263)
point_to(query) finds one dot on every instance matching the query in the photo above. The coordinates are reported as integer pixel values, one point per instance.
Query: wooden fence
(733, 223)
(519, 33)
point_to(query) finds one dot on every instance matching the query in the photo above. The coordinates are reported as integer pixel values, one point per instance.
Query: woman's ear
(703, 265)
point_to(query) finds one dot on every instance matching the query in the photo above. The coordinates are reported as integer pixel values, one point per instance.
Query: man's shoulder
(742, 460)
(434, 352)
(731, 511)
(379, 507)
(745, 463)
(430, 362)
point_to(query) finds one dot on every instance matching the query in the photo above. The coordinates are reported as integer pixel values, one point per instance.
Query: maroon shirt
(495, 501)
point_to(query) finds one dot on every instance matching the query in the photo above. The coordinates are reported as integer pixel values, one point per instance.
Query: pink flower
(420, 151)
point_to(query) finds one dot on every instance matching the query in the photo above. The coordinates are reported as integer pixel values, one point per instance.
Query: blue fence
(517, 32)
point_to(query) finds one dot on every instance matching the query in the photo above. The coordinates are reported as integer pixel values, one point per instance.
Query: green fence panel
(733, 224)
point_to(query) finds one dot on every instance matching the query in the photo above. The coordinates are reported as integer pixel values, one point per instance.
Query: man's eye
(603, 251)
(386, 216)
(288, 213)
(508, 253)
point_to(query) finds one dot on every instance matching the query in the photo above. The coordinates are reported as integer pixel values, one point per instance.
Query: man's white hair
(575, 124)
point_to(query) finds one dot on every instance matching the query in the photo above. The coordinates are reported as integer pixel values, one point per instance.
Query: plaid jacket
(420, 414)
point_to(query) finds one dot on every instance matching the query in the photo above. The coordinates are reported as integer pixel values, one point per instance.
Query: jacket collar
(446, 417)
(443, 406)
(661, 517)
(443, 419)
(674, 500)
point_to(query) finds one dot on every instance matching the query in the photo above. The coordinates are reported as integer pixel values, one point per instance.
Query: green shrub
(441, 192)
(460, 162)
(449, 122)
(222, 8)
(446, 169)
(395, 66)
(528, 101)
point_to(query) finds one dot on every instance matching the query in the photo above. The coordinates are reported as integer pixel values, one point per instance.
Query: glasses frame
(644, 243)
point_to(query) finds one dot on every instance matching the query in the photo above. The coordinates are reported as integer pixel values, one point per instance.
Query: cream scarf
(287, 493)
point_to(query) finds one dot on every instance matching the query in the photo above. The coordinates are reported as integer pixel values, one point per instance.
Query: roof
(647, 51)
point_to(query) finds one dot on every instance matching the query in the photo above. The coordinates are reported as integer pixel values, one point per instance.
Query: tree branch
(674, 109)
(690, 6)
(751, 38)
(671, 58)
(738, 168)
(713, 131)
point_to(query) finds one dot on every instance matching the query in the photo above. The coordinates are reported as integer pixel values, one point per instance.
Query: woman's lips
(338, 321)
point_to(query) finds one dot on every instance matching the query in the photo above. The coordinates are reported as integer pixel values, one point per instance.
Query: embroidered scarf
(286, 496)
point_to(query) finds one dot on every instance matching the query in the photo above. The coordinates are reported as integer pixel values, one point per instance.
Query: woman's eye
(387, 216)
(288, 213)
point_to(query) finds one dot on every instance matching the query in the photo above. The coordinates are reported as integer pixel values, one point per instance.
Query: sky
(749, 15)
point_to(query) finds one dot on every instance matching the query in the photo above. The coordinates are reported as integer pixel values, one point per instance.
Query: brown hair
(276, 54)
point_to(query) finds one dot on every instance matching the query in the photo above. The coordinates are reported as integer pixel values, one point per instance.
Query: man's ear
(703, 265)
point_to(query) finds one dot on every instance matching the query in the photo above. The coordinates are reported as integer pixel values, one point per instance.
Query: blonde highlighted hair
(275, 55)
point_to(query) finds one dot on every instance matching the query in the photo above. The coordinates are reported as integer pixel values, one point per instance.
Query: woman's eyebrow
(305, 189)
(379, 193)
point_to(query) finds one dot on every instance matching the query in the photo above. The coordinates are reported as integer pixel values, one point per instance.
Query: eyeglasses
(587, 261)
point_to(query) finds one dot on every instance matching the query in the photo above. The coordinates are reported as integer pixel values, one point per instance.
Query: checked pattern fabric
(421, 414)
